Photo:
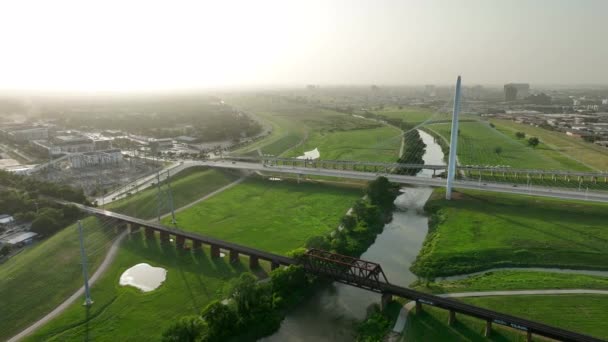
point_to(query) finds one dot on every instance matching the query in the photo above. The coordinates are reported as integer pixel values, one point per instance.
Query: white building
(23, 238)
(6, 219)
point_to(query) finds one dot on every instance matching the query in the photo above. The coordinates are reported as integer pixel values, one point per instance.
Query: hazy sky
(143, 45)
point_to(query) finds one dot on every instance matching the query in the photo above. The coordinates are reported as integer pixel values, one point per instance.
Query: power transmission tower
(453, 142)
(87, 301)
(164, 196)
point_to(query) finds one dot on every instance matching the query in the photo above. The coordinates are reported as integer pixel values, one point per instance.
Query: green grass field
(188, 186)
(298, 127)
(273, 216)
(431, 325)
(127, 314)
(575, 148)
(413, 115)
(477, 143)
(518, 280)
(481, 230)
(35, 281)
(377, 144)
(586, 314)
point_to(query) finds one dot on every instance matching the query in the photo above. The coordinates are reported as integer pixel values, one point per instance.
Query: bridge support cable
(453, 143)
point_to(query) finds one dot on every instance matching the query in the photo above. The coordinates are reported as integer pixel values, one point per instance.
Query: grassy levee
(478, 141)
(481, 230)
(585, 314)
(431, 325)
(412, 115)
(294, 124)
(187, 186)
(128, 314)
(272, 216)
(574, 148)
(506, 280)
(375, 144)
(37, 280)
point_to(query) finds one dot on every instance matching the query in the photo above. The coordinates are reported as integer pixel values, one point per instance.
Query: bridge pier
(180, 241)
(234, 256)
(215, 251)
(386, 299)
(164, 237)
(488, 330)
(254, 262)
(418, 307)
(452, 318)
(134, 229)
(274, 265)
(529, 336)
(196, 245)
(149, 233)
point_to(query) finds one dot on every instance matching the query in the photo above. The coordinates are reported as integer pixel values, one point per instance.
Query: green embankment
(477, 144)
(517, 280)
(481, 230)
(574, 148)
(586, 314)
(431, 325)
(275, 216)
(37, 280)
(128, 314)
(187, 186)
(412, 115)
(375, 144)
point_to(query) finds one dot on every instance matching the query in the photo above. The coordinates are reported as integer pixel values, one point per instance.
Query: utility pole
(171, 199)
(87, 301)
(453, 142)
(159, 196)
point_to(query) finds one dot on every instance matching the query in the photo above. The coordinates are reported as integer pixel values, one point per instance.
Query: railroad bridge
(348, 270)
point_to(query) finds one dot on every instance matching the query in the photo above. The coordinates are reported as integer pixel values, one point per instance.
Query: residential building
(25, 133)
(74, 143)
(516, 91)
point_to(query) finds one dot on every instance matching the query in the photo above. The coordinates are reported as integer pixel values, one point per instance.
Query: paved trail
(402, 319)
(78, 295)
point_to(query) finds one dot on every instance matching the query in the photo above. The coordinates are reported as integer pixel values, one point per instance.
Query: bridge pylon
(453, 142)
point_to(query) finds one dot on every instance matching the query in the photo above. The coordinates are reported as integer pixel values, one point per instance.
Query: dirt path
(107, 261)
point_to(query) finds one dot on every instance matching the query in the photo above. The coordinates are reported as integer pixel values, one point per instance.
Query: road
(413, 180)
(107, 261)
(402, 318)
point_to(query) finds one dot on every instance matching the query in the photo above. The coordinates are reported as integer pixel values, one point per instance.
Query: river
(332, 314)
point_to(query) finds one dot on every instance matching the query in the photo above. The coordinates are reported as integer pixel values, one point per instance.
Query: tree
(498, 150)
(243, 291)
(349, 222)
(520, 135)
(5, 250)
(380, 192)
(318, 242)
(492, 125)
(533, 141)
(221, 320)
(186, 329)
(45, 224)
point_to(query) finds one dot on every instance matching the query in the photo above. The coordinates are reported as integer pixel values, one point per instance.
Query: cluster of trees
(413, 152)
(374, 327)
(532, 141)
(255, 309)
(368, 217)
(36, 187)
(46, 216)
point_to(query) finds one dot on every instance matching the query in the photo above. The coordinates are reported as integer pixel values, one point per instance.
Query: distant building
(516, 91)
(186, 139)
(604, 101)
(46, 147)
(97, 158)
(74, 143)
(102, 144)
(163, 143)
(6, 219)
(25, 133)
(112, 133)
